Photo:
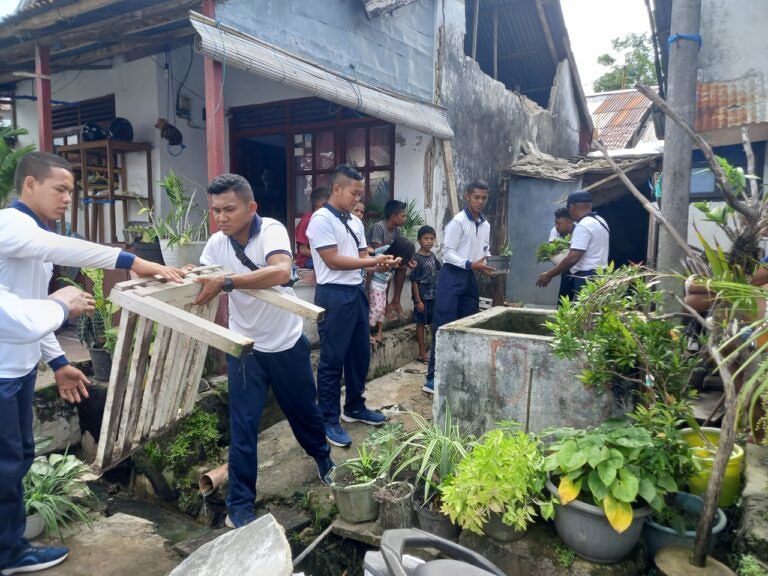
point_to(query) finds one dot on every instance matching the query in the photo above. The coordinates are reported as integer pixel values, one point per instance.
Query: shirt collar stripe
(21, 207)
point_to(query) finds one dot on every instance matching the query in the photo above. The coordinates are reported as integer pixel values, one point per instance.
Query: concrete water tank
(498, 365)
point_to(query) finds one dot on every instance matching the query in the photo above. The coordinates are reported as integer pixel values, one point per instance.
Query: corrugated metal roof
(620, 117)
(732, 104)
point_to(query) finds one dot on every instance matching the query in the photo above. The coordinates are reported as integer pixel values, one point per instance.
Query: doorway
(262, 161)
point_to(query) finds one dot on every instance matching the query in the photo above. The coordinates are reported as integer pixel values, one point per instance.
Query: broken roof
(544, 166)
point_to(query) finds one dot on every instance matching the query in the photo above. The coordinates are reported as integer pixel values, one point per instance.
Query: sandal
(423, 359)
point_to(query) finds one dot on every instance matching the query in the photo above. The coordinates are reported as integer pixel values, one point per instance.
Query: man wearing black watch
(258, 250)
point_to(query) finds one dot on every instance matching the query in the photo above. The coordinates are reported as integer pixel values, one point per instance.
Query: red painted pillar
(214, 110)
(43, 93)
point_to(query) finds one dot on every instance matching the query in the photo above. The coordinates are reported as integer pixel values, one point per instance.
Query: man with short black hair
(339, 251)
(259, 251)
(563, 227)
(589, 244)
(28, 251)
(466, 245)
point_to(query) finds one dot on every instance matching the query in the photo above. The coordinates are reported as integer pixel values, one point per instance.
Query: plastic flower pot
(101, 364)
(354, 501)
(499, 531)
(395, 510)
(501, 263)
(585, 529)
(35, 526)
(434, 522)
(657, 536)
(559, 257)
(731, 483)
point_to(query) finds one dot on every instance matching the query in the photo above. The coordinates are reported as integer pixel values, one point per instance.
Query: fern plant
(97, 331)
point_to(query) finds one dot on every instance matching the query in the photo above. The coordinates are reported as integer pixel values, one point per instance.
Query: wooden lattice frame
(160, 354)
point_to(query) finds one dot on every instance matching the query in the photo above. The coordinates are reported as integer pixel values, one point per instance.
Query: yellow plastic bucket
(731, 490)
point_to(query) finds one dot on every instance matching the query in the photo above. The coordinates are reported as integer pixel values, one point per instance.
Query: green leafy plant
(565, 555)
(436, 450)
(616, 328)
(97, 330)
(197, 438)
(179, 227)
(51, 487)
(502, 474)
(386, 442)
(506, 250)
(547, 250)
(365, 467)
(615, 467)
(414, 219)
(9, 158)
(751, 566)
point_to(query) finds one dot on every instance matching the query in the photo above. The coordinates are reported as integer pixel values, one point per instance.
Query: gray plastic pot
(499, 531)
(354, 501)
(656, 536)
(585, 530)
(435, 523)
(35, 526)
(501, 263)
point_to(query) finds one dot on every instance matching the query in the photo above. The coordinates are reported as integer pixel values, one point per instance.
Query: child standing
(423, 281)
(379, 282)
(359, 210)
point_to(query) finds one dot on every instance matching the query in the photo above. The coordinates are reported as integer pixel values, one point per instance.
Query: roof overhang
(229, 45)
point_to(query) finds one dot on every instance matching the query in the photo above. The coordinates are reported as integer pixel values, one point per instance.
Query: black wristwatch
(228, 285)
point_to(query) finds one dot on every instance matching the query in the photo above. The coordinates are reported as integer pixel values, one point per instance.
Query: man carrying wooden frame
(259, 251)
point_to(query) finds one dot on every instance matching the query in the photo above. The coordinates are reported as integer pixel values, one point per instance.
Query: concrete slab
(752, 535)
(73, 350)
(119, 545)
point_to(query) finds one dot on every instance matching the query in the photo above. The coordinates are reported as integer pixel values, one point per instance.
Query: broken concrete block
(752, 535)
(257, 548)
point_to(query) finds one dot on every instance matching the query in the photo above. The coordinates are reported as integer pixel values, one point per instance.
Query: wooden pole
(214, 111)
(475, 19)
(43, 93)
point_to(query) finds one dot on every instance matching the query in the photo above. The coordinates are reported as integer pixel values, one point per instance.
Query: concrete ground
(73, 350)
(124, 545)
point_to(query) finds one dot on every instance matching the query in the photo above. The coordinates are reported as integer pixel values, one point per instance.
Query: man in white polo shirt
(466, 245)
(589, 244)
(339, 251)
(28, 251)
(258, 250)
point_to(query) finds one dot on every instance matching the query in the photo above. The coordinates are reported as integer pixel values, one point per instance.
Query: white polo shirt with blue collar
(327, 229)
(271, 329)
(466, 240)
(28, 251)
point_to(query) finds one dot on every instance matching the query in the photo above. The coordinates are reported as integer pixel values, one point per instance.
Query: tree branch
(722, 180)
(753, 188)
(647, 204)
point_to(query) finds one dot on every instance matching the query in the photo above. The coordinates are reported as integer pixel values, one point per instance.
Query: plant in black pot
(607, 480)
(98, 331)
(501, 262)
(435, 452)
(498, 486)
(143, 241)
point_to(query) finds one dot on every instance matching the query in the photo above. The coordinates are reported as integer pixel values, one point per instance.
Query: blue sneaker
(324, 467)
(372, 417)
(429, 386)
(337, 436)
(34, 559)
(239, 518)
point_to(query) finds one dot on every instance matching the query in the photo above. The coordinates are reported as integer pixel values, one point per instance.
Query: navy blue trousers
(580, 280)
(290, 375)
(456, 296)
(344, 348)
(17, 450)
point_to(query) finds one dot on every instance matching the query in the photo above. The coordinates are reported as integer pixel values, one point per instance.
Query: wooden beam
(375, 8)
(43, 102)
(450, 175)
(52, 16)
(289, 303)
(214, 111)
(220, 338)
(95, 33)
(547, 32)
(475, 19)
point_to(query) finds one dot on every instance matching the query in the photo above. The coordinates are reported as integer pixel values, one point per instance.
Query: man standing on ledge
(339, 252)
(465, 247)
(259, 251)
(589, 244)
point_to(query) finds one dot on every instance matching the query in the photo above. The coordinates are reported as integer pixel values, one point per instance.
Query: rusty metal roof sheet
(619, 117)
(732, 103)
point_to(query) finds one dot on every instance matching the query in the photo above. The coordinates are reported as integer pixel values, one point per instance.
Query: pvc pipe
(210, 481)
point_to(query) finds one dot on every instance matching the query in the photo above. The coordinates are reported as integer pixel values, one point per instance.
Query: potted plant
(606, 481)
(143, 242)
(51, 488)
(676, 524)
(496, 488)
(435, 452)
(704, 443)
(395, 509)
(183, 232)
(9, 157)
(98, 331)
(353, 483)
(501, 262)
(554, 251)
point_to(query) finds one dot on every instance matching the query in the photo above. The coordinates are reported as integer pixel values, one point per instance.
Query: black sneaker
(324, 467)
(34, 559)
